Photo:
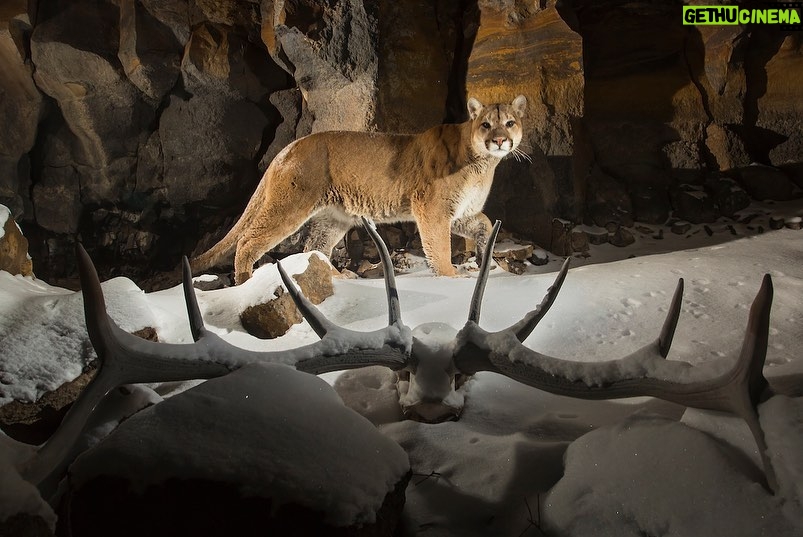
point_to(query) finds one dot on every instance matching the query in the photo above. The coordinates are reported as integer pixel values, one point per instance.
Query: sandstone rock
(621, 238)
(366, 269)
(726, 147)
(680, 227)
(561, 243)
(150, 50)
(273, 318)
(20, 107)
(265, 449)
(105, 113)
(596, 235)
(693, 204)
(33, 423)
(512, 250)
(779, 107)
(14, 256)
(793, 222)
(212, 139)
(607, 200)
(728, 196)
(288, 103)
(766, 183)
(412, 94)
(579, 241)
(720, 72)
(511, 255)
(529, 49)
(169, 108)
(331, 51)
(316, 281)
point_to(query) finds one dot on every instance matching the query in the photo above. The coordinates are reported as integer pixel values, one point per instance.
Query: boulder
(693, 204)
(274, 317)
(20, 107)
(316, 281)
(530, 49)
(726, 147)
(152, 39)
(265, 450)
(729, 197)
(607, 200)
(331, 51)
(766, 183)
(104, 112)
(14, 256)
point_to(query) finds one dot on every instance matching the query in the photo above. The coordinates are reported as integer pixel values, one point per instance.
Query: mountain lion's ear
(520, 105)
(474, 108)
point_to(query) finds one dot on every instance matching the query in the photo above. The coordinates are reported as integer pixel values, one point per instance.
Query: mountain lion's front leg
(435, 229)
(476, 227)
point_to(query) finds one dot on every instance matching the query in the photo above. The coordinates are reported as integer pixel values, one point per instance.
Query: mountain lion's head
(496, 128)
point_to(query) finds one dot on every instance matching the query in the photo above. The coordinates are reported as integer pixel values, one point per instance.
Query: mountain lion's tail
(217, 253)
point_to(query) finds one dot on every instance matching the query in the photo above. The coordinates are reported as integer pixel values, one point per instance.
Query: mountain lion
(439, 178)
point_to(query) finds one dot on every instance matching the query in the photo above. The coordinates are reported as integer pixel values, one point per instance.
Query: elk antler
(645, 372)
(127, 359)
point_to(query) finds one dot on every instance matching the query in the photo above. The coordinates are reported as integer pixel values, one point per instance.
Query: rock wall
(142, 126)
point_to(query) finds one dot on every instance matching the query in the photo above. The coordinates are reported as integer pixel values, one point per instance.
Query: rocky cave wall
(142, 126)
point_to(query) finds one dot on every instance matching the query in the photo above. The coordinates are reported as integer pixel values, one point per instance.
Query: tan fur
(439, 178)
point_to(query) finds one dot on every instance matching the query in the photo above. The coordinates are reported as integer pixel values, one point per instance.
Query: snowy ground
(520, 461)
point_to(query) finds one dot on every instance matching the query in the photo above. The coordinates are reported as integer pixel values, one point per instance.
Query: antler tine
(319, 323)
(749, 387)
(123, 358)
(193, 311)
(394, 307)
(524, 328)
(642, 373)
(671, 321)
(482, 277)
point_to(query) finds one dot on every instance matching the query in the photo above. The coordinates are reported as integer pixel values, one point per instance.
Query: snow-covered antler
(127, 359)
(737, 390)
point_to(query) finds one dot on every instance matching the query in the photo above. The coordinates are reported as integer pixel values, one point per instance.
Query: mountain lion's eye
(486, 125)
(510, 124)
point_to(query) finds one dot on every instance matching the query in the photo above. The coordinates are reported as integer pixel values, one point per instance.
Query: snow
(5, 214)
(284, 450)
(518, 458)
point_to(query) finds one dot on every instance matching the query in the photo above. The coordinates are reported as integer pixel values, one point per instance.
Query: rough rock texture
(523, 48)
(13, 247)
(20, 107)
(33, 423)
(144, 126)
(274, 318)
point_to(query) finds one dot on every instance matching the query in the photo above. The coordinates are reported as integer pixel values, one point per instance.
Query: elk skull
(432, 361)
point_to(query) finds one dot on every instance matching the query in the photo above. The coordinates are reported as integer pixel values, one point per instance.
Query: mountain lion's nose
(500, 141)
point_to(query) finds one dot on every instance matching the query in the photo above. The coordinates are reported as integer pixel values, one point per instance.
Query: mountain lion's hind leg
(477, 227)
(273, 225)
(325, 232)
